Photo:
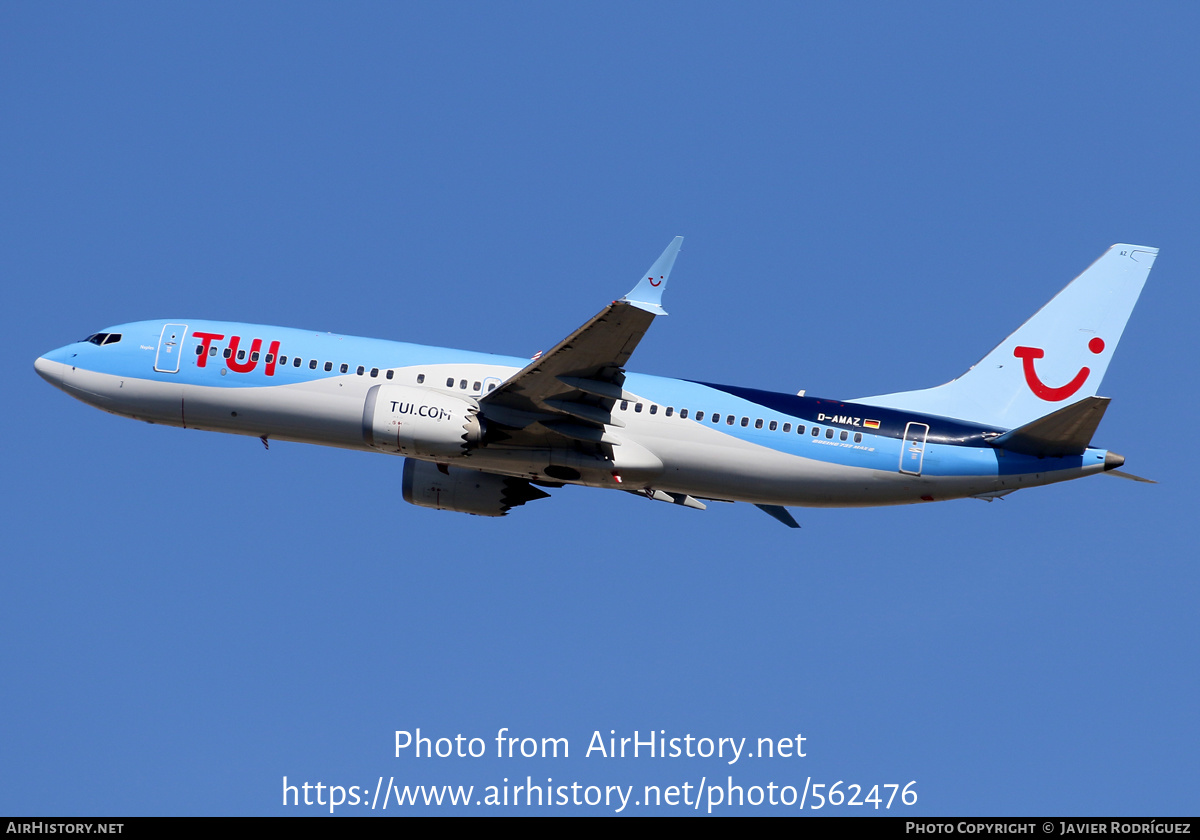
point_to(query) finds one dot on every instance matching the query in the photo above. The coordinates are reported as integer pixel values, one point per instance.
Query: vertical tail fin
(1055, 359)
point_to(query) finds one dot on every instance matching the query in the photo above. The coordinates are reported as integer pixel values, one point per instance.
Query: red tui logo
(1040, 388)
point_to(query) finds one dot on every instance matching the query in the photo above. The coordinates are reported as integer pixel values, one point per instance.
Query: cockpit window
(103, 338)
(113, 338)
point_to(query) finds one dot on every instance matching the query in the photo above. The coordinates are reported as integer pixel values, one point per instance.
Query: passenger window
(491, 387)
(254, 356)
(858, 437)
(758, 424)
(787, 427)
(390, 374)
(420, 378)
(476, 386)
(212, 351)
(624, 405)
(463, 384)
(312, 364)
(296, 361)
(799, 429)
(199, 349)
(360, 370)
(270, 358)
(653, 409)
(670, 410)
(328, 366)
(829, 434)
(844, 435)
(345, 368)
(450, 382)
(770, 428)
(637, 408)
(745, 421)
(815, 431)
(683, 413)
(699, 416)
(375, 373)
(716, 418)
(729, 420)
(241, 355)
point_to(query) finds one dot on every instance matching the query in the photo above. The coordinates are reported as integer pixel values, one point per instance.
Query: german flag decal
(871, 424)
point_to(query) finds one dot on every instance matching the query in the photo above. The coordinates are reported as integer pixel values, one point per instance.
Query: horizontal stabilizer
(1067, 431)
(992, 495)
(781, 513)
(1130, 476)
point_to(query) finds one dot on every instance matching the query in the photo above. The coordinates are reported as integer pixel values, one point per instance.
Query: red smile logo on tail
(1041, 389)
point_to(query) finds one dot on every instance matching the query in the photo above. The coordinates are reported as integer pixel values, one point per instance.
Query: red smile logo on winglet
(1041, 389)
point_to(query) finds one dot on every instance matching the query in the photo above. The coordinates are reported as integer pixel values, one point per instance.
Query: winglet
(647, 294)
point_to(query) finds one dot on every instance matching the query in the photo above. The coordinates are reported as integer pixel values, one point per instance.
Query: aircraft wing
(570, 391)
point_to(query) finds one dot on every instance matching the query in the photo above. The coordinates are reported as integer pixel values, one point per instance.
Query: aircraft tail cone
(1112, 461)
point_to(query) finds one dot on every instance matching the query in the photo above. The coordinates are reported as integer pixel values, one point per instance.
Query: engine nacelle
(420, 422)
(466, 491)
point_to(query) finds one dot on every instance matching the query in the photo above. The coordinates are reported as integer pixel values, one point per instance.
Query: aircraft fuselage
(676, 436)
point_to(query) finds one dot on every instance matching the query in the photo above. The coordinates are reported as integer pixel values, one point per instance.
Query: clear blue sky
(873, 195)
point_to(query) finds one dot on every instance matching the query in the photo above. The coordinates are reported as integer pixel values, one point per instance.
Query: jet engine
(466, 491)
(420, 422)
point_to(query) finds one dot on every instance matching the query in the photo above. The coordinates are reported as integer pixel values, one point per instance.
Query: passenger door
(170, 346)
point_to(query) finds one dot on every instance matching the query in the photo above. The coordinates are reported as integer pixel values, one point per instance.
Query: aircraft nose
(53, 366)
(48, 370)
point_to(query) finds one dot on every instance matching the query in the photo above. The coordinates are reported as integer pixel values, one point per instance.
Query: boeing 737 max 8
(483, 434)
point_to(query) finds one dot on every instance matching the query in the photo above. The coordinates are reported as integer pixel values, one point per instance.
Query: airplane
(483, 434)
